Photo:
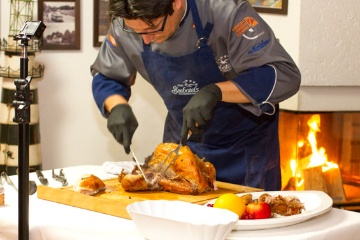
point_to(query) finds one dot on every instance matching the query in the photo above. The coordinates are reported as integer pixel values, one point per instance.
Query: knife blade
(41, 177)
(138, 164)
(8, 180)
(1, 185)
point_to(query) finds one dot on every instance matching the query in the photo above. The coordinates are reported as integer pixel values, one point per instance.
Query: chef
(220, 71)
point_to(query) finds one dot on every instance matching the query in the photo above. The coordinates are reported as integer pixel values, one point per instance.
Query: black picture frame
(62, 20)
(101, 21)
(270, 6)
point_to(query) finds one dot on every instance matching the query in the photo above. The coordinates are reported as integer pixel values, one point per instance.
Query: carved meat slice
(284, 206)
(187, 175)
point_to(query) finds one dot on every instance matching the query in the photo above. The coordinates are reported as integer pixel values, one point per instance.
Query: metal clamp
(60, 177)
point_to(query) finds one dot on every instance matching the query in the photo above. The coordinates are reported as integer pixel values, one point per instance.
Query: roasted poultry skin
(187, 175)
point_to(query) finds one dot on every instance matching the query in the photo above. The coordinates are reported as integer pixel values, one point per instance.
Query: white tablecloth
(53, 221)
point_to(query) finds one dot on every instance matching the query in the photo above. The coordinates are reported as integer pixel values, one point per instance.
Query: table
(53, 221)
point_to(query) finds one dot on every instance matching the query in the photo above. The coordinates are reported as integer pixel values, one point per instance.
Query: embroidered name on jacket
(259, 46)
(187, 87)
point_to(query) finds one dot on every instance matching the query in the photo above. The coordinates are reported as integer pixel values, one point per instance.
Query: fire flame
(294, 173)
(318, 156)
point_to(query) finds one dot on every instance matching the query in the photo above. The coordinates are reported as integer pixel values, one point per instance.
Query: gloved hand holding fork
(199, 109)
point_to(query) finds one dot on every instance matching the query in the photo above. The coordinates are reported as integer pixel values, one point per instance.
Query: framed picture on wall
(101, 21)
(270, 6)
(62, 20)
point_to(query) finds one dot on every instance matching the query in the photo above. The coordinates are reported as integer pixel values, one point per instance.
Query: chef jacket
(242, 43)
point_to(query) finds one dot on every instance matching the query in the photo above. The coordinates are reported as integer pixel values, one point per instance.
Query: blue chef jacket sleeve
(265, 72)
(102, 87)
(258, 84)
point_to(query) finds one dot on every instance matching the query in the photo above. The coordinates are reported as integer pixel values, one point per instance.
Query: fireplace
(321, 151)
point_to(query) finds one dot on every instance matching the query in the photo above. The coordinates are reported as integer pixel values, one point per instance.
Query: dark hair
(146, 10)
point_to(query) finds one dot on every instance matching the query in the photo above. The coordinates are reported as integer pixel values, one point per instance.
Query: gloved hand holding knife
(199, 110)
(122, 124)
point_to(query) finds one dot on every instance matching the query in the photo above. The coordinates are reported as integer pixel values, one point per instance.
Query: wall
(72, 130)
(329, 56)
(329, 43)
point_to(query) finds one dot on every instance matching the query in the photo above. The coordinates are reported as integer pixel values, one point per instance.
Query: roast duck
(188, 174)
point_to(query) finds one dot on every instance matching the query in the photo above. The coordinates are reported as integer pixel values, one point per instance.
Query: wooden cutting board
(115, 199)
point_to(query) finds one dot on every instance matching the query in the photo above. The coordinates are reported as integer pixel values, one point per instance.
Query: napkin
(116, 167)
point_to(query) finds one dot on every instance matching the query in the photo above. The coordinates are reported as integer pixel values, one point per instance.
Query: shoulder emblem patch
(244, 25)
(111, 40)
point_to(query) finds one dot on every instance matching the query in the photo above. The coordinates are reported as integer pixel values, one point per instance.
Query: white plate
(315, 203)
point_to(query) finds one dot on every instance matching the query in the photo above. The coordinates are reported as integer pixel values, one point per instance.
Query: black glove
(122, 124)
(199, 110)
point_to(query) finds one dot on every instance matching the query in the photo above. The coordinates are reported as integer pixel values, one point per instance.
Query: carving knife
(32, 184)
(138, 164)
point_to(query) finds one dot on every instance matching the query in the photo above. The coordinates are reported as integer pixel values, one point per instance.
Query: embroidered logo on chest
(223, 63)
(187, 87)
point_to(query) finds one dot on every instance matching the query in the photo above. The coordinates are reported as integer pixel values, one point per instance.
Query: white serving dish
(177, 220)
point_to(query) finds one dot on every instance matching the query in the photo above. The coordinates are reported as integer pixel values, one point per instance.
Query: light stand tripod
(23, 99)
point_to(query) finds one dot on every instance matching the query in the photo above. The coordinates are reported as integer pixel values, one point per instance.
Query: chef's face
(156, 33)
(163, 27)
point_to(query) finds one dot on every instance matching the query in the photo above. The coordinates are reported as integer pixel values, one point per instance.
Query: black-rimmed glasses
(130, 30)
